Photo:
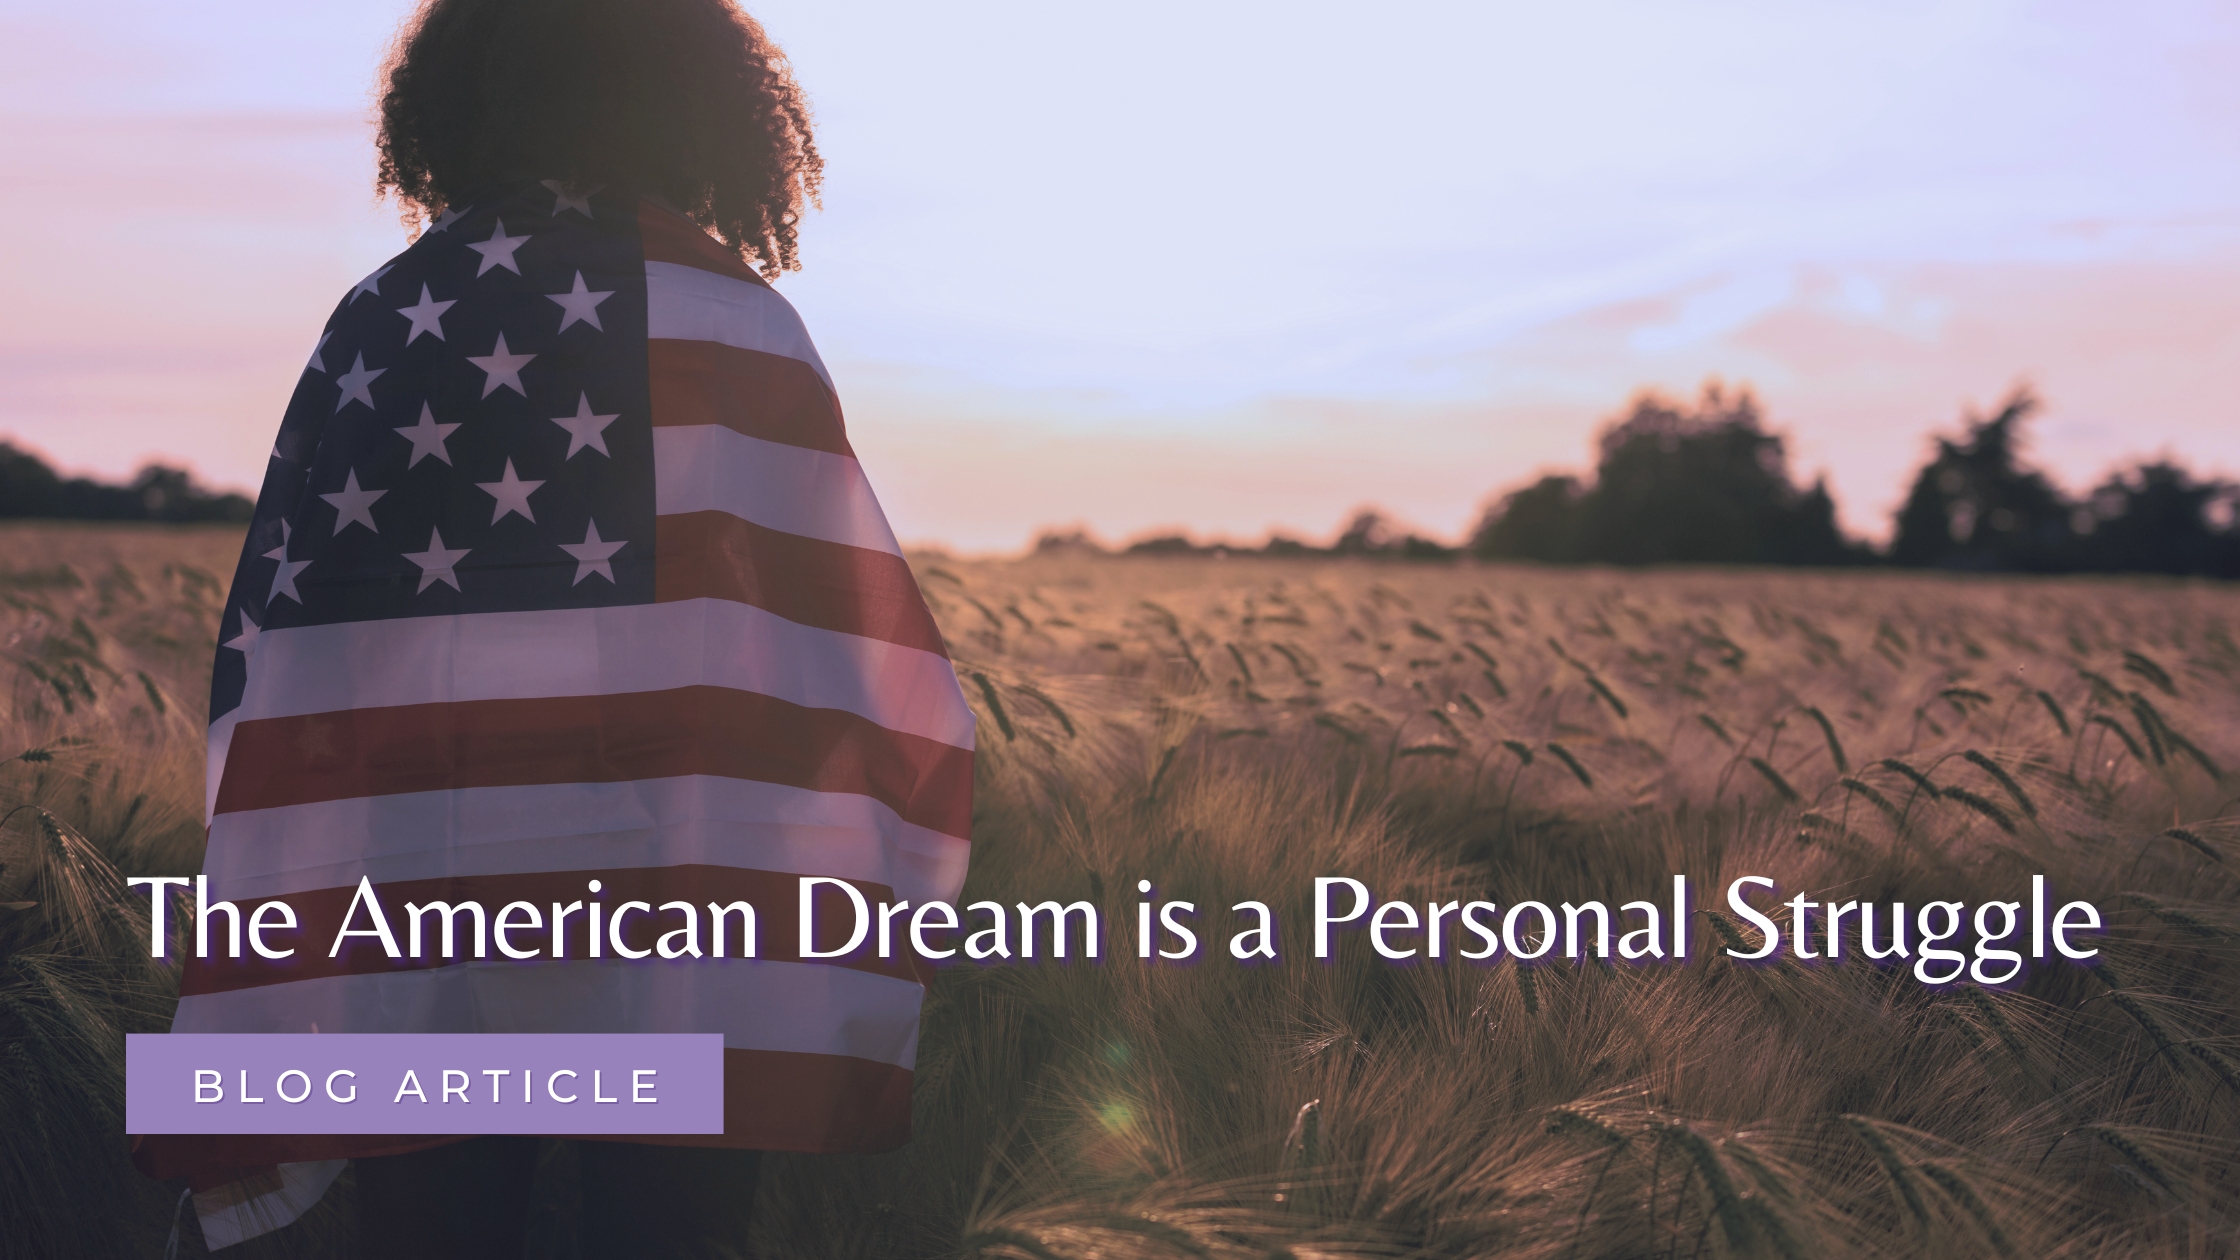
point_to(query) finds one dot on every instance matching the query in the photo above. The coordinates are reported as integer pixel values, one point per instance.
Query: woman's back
(566, 597)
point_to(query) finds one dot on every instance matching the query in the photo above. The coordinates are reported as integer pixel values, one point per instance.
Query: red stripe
(775, 896)
(832, 586)
(595, 739)
(773, 1100)
(672, 238)
(212, 1160)
(784, 1100)
(767, 396)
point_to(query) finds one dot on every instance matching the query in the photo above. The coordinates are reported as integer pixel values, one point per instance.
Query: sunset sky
(1228, 267)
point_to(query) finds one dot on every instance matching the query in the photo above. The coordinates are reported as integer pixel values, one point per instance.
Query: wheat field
(1232, 729)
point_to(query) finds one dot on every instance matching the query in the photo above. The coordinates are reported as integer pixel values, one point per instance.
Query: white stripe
(214, 768)
(226, 1221)
(687, 304)
(600, 651)
(816, 494)
(688, 820)
(757, 1004)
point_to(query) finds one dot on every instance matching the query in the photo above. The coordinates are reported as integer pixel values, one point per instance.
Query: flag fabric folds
(564, 570)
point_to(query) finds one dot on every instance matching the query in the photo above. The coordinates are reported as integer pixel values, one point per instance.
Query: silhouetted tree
(1163, 545)
(1366, 534)
(1706, 485)
(1072, 542)
(1977, 506)
(1372, 533)
(1540, 522)
(2155, 518)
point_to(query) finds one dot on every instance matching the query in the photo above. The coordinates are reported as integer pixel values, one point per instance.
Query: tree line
(1673, 483)
(29, 488)
(1708, 484)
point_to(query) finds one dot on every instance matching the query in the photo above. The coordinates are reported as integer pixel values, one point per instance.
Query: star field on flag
(564, 566)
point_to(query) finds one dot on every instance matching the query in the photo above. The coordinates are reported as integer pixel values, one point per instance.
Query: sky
(1225, 267)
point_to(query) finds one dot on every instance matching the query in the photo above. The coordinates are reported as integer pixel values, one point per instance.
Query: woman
(565, 577)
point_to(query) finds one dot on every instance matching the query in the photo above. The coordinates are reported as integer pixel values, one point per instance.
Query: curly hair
(687, 99)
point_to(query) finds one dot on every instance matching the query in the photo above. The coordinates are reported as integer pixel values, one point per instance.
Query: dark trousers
(473, 1198)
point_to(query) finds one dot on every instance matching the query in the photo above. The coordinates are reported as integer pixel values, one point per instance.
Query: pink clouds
(1246, 300)
(2132, 358)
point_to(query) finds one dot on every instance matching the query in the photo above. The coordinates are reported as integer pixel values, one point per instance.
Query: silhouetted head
(684, 98)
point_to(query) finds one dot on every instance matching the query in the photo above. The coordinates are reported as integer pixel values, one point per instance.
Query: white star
(371, 284)
(566, 198)
(318, 364)
(427, 317)
(284, 581)
(427, 438)
(504, 368)
(512, 494)
(581, 304)
(437, 564)
(585, 429)
(353, 506)
(355, 383)
(498, 250)
(247, 639)
(446, 219)
(592, 554)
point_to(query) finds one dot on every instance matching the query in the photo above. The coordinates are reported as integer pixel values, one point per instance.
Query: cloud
(1079, 269)
(2131, 358)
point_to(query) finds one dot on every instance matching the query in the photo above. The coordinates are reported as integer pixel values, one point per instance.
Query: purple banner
(478, 1083)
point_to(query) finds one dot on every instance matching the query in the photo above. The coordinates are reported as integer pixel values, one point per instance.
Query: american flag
(563, 569)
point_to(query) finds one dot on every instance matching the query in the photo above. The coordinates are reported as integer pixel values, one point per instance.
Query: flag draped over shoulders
(564, 571)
